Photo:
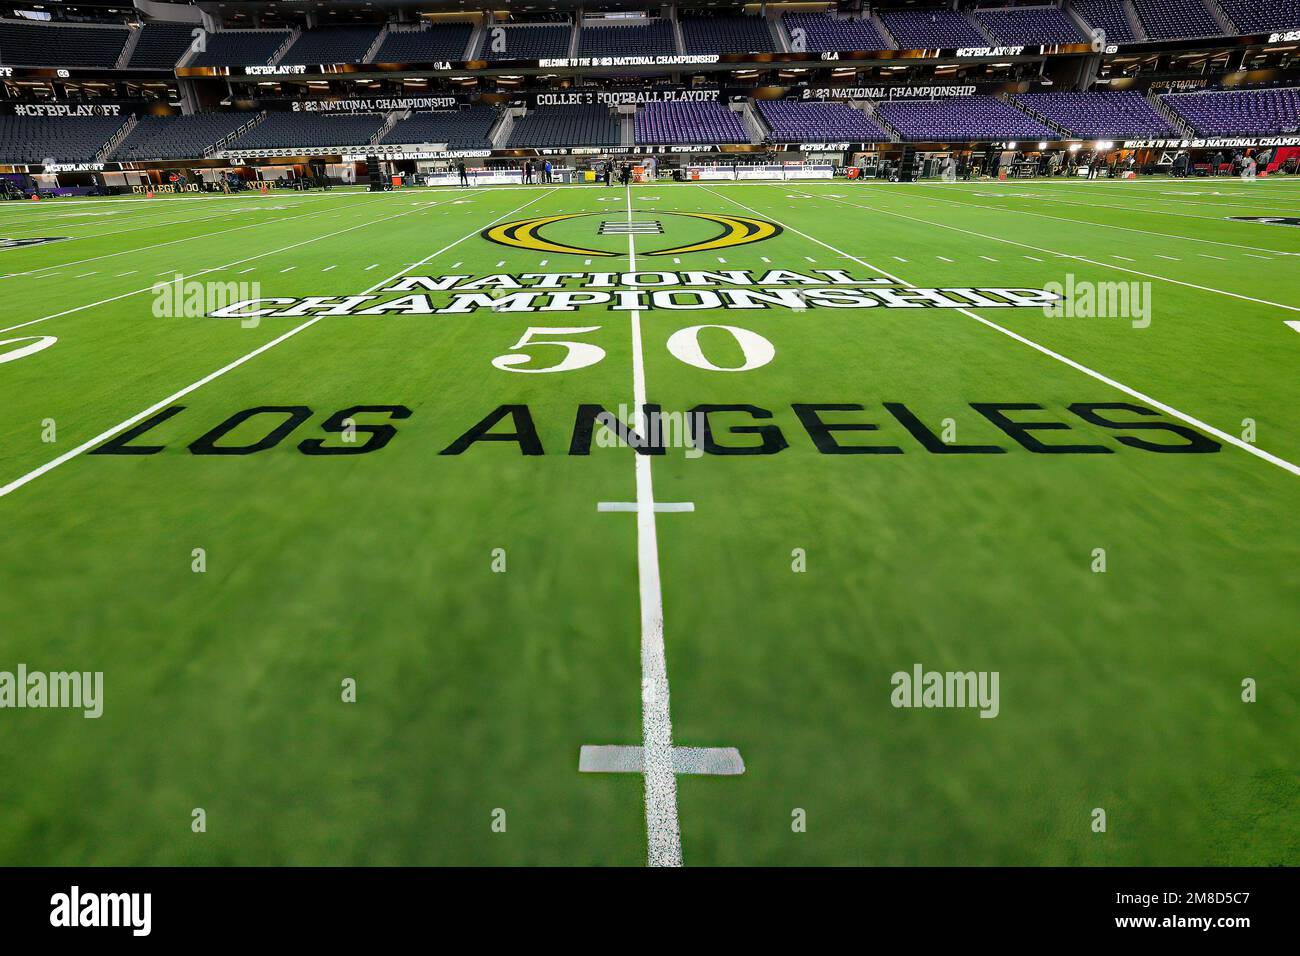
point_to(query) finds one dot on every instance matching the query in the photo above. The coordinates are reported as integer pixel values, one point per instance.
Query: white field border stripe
(1050, 195)
(169, 242)
(133, 219)
(128, 218)
(1120, 386)
(249, 195)
(663, 831)
(1103, 225)
(1050, 252)
(228, 265)
(1124, 192)
(212, 376)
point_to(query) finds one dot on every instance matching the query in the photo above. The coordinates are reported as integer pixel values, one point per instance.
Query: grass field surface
(1122, 582)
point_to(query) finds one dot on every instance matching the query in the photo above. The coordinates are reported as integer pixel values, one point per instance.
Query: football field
(366, 563)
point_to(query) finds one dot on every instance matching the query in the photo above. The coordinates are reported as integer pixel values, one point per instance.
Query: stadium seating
(794, 121)
(1239, 112)
(177, 137)
(1029, 25)
(928, 29)
(1099, 115)
(65, 139)
(823, 33)
(1170, 21)
(531, 41)
(459, 129)
(240, 48)
(291, 130)
(37, 44)
(747, 34)
(331, 45)
(444, 42)
(959, 118)
(1263, 16)
(1109, 16)
(688, 123)
(161, 45)
(649, 39)
(589, 125)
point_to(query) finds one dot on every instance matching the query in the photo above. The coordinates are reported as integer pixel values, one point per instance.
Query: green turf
(476, 689)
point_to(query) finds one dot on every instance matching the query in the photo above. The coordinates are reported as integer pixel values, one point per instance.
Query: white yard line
(170, 242)
(1026, 245)
(248, 357)
(228, 265)
(1101, 225)
(1048, 195)
(1050, 353)
(663, 831)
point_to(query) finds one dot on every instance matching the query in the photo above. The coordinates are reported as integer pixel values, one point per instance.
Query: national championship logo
(736, 231)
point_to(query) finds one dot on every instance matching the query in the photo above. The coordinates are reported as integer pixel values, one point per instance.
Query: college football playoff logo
(527, 234)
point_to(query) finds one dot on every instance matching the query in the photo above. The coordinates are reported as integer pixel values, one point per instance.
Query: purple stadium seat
(1099, 115)
(795, 121)
(1239, 112)
(688, 123)
(963, 117)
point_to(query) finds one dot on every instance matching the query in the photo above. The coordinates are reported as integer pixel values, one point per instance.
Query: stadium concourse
(396, 401)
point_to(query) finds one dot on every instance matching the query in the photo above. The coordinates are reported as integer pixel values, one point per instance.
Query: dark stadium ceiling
(227, 10)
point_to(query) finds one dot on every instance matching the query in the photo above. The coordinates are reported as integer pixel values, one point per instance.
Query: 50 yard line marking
(1050, 353)
(212, 376)
(663, 830)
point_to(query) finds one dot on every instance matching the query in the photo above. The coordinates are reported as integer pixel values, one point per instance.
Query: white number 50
(577, 354)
